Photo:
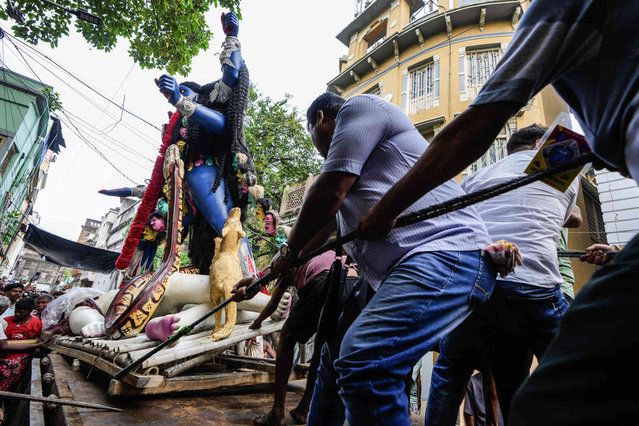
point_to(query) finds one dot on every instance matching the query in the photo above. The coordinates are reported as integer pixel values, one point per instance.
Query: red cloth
(299, 276)
(30, 330)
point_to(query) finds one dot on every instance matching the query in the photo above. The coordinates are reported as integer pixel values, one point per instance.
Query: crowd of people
(436, 286)
(21, 307)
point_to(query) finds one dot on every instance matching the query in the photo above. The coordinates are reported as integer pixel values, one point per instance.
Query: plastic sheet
(63, 305)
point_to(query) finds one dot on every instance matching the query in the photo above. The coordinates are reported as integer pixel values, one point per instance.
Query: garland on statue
(147, 206)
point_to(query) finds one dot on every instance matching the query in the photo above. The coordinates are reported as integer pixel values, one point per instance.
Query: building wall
(31, 262)
(24, 122)
(620, 205)
(444, 52)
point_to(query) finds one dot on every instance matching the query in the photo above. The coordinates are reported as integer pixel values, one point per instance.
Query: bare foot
(268, 419)
(298, 416)
(163, 328)
(283, 308)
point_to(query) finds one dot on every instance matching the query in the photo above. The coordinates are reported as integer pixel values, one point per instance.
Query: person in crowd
(41, 302)
(57, 294)
(526, 306)
(14, 293)
(310, 281)
(15, 361)
(570, 44)
(428, 276)
(565, 267)
(475, 407)
(597, 253)
(5, 302)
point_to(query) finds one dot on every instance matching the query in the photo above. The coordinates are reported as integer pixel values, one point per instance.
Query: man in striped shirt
(588, 51)
(428, 276)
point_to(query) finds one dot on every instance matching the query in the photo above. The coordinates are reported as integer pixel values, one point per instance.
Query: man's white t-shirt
(531, 217)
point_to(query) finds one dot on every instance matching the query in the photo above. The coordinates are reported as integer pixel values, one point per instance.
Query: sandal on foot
(268, 419)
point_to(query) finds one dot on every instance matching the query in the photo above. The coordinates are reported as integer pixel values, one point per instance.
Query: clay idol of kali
(204, 140)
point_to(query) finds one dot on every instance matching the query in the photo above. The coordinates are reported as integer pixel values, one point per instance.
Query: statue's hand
(169, 88)
(94, 329)
(230, 24)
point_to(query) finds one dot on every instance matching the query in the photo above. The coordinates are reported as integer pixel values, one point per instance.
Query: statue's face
(259, 212)
(187, 93)
(157, 224)
(280, 238)
(269, 224)
(149, 234)
(244, 187)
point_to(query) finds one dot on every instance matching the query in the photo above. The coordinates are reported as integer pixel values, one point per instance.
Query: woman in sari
(15, 357)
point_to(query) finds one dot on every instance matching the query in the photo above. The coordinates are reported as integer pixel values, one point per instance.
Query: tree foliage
(281, 147)
(162, 33)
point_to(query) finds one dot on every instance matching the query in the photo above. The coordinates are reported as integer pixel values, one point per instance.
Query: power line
(82, 82)
(77, 131)
(92, 128)
(142, 136)
(97, 151)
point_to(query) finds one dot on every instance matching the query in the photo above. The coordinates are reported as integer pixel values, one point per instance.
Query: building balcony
(414, 34)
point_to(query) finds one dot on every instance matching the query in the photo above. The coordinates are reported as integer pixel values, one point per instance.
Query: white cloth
(2, 326)
(10, 311)
(255, 349)
(531, 217)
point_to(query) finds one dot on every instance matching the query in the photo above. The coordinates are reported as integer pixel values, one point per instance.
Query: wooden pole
(56, 401)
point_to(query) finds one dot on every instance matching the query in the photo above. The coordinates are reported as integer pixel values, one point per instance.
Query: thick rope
(409, 219)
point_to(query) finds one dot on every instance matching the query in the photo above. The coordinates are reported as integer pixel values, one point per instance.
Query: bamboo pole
(56, 401)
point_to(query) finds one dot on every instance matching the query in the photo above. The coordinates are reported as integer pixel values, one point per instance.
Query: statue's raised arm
(186, 97)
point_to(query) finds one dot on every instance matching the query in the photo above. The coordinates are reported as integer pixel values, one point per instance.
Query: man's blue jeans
(518, 321)
(422, 299)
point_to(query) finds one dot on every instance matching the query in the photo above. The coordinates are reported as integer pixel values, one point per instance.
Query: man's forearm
(460, 143)
(272, 304)
(320, 206)
(319, 239)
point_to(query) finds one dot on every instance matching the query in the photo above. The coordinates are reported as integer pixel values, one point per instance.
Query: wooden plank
(108, 367)
(198, 382)
(268, 365)
(36, 411)
(204, 344)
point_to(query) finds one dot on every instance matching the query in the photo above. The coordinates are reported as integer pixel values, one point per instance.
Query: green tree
(53, 99)
(281, 147)
(162, 33)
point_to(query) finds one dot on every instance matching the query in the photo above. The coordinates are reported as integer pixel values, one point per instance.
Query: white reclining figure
(175, 309)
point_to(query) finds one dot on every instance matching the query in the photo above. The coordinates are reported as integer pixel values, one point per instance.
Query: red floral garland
(148, 201)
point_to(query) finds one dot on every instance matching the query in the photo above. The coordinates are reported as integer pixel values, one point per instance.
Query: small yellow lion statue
(225, 272)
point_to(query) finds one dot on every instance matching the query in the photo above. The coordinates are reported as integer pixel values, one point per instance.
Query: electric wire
(145, 138)
(73, 126)
(114, 141)
(88, 86)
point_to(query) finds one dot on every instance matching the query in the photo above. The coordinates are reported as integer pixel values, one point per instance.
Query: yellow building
(431, 59)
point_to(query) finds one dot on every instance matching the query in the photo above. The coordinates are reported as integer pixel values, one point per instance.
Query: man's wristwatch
(286, 252)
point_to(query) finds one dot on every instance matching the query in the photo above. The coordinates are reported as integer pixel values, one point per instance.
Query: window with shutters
(475, 66)
(496, 152)
(419, 9)
(424, 87)
(376, 90)
(596, 224)
(7, 160)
